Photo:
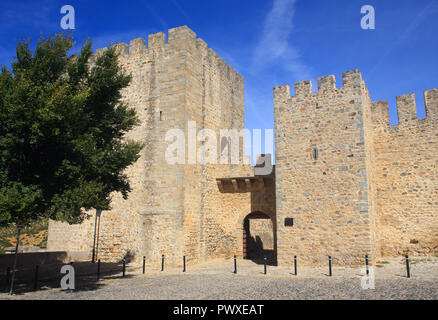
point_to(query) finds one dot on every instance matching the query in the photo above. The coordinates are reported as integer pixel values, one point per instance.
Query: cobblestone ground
(217, 281)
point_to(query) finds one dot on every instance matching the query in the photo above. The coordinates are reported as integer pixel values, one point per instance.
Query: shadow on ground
(258, 257)
(49, 277)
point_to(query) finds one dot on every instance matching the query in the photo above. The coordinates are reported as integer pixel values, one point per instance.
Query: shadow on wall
(129, 256)
(259, 239)
(256, 252)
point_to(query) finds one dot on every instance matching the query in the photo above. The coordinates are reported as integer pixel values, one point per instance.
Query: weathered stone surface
(373, 187)
(173, 210)
(348, 182)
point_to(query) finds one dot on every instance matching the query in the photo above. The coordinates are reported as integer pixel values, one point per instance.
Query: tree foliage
(62, 128)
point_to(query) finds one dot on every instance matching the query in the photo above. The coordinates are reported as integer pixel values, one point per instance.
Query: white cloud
(275, 47)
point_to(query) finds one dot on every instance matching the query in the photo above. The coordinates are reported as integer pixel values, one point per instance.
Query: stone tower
(353, 184)
(175, 84)
(322, 170)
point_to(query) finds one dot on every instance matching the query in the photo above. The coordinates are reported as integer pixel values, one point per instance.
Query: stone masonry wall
(168, 211)
(407, 177)
(372, 188)
(215, 101)
(228, 209)
(328, 197)
(262, 229)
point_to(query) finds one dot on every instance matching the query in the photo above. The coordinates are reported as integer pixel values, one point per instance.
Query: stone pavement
(215, 280)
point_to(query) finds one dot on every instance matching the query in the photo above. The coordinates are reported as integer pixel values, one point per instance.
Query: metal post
(366, 262)
(99, 212)
(124, 266)
(264, 259)
(35, 284)
(98, 269)
(295, 265)
(162, 262)
(235, 265)
(144, 263)
(19, 227)
(94, 241)
(330, 266)
(184, 264)
(408, 271)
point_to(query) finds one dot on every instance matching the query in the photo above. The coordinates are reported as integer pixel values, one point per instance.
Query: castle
(345, 184)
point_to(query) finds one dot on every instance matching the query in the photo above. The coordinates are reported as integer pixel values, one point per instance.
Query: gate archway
(259, 238)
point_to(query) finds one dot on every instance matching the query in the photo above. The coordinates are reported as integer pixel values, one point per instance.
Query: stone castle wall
(407, 177)
(170, 204)
(327, 197)
(232, 205)
(351, 183)
(373, 188)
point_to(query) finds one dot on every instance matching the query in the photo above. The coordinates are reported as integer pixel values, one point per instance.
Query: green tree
(62, 128)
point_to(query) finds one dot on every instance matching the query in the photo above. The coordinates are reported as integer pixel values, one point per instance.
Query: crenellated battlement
(350, 80)
(303, 88)
(406, 109)
(431, 103)
(137, 46)
(327, 83)
(380, 113)
(336, 141)
(180, 38)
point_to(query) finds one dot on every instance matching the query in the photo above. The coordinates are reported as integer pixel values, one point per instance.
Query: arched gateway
(256, 223)
(259, 238)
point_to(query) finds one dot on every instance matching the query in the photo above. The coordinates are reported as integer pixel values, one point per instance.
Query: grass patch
(34, 234)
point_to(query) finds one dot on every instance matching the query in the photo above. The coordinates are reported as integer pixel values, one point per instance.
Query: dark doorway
(258, 238)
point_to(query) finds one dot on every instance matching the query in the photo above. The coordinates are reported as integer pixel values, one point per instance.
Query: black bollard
(144, 263)
(295, 265)
(235, 265)
(408, 270)
(366, 263)
(330, 266)
(184, 264)
(98, 269)
(124, 266)
(264, 260)
(35, 284)
(162, 262)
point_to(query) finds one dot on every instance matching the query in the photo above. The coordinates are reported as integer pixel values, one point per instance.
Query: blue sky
(271, 42)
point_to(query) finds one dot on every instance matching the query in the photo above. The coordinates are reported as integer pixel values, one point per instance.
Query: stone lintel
(242, 184)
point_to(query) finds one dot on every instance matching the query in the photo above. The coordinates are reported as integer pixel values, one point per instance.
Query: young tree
(62, 127)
